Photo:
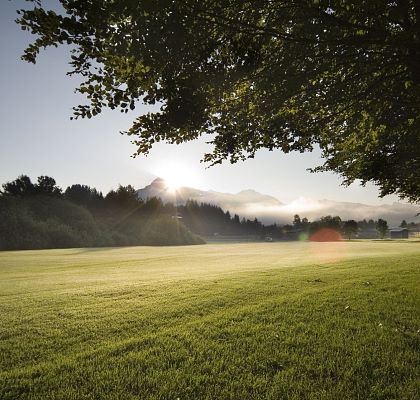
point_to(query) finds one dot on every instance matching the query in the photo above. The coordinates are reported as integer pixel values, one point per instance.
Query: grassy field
(220, 321)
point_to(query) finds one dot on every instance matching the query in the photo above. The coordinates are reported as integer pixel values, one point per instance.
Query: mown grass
(228, 321)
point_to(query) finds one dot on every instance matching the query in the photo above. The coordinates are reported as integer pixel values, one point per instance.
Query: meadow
(292, 320)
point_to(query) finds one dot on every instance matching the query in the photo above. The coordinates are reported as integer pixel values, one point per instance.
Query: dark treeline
(208, 219)
(42, 215)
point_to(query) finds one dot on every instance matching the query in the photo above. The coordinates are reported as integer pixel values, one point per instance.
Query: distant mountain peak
(248, 191)
(158, 182)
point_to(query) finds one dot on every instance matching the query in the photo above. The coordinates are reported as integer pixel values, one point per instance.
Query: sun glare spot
(171, 187)
(176, 176)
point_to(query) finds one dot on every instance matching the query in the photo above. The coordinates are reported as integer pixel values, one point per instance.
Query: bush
(44, 222)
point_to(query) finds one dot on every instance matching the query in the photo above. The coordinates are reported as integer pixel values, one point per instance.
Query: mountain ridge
(249, 203)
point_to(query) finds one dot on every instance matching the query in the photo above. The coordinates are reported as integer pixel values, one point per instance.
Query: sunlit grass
(239, 321)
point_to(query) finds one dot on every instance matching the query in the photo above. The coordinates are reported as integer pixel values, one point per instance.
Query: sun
(176, 176)
(172, 185)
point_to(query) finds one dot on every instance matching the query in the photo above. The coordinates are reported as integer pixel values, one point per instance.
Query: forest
(41, 215)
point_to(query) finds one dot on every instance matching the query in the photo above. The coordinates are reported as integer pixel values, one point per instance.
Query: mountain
(268, 209)
(227, 201)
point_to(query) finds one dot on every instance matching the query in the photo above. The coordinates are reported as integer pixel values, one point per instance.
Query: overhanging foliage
(344, 75)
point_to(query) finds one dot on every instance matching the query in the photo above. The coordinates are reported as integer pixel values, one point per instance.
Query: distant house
(398, 233)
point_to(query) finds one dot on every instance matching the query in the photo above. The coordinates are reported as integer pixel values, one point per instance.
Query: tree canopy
(350, 228)
(23, 186)
(289, 75)
(382, 227)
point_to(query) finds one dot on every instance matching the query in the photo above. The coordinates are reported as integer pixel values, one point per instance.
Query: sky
(37, 138)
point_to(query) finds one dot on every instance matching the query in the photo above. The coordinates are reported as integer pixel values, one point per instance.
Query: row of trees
(348, 228)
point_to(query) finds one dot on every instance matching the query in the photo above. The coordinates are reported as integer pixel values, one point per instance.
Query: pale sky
(38, 138)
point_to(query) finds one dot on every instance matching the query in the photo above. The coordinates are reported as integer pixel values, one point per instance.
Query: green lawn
(220, 321)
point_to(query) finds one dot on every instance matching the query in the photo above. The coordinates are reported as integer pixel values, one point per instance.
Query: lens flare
(326, 235)
(327, 246)
(303, 237)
